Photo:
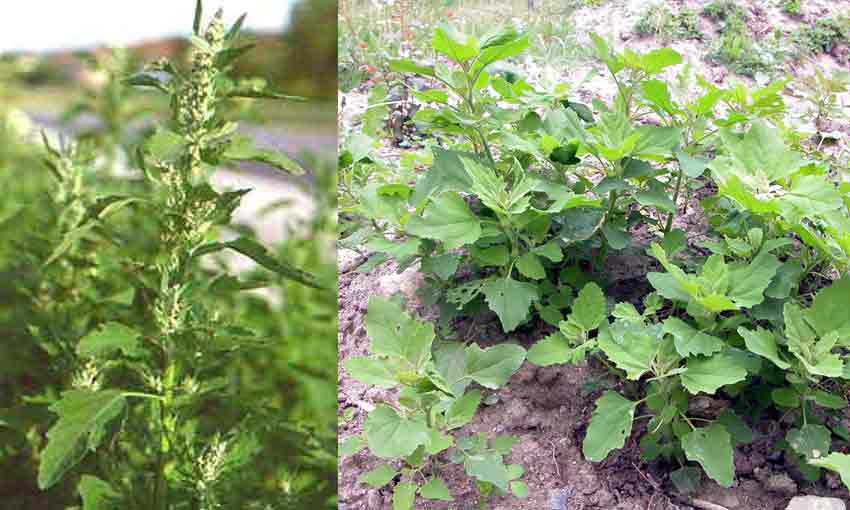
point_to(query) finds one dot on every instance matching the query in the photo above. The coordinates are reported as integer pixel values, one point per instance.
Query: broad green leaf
(510, 299)
(391, 436)
(738, 430)
(610, 426)
(398, 250)
(488, 467)
(519, 489)
(763, 343)
(589, 308)
(829, 308)
(437, 489)
(709, 374)
(785, 397)
(529, 266)
(690, 341)
(450, 361)
(553, 349)
(393, 332)
(83, 418)
(164, 145)
(551, 251)
(656, 60)
(508, 49)
(630, 347)
(712, 447)
(409, 66)
(447, 219)
(686, 479)
(444, 266)
(379, 476)
(747, 283)
(493, 366)
(829, 400)
(371, 371)
(447, 173)
(838, 462)
(693, 167)
(462, 410)
(97, 494)
(757, 158)
(107, 339)
(811, 441)
(403, 496)
(437, 442)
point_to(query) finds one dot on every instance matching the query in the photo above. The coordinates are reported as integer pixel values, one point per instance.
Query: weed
(824, 34)
(658, 20)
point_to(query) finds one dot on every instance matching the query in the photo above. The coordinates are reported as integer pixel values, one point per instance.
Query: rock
(559, 499)
(718, 495)
(348, 260)
(815, 503)
(407, 283)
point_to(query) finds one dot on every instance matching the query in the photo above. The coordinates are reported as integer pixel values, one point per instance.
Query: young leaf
(83, 417)
(689, 341)
(391, 436)
(488, 467)
(96, 494)
(589, 308)
(462, 410)
(629, 346)
(510, 299)
(403, 496)
(609, 427)
(379, 476)
(553, 349)
(529, 266)
(447, 219)
(712, 447)
(110, 337)
(447, 42)
(437, 489)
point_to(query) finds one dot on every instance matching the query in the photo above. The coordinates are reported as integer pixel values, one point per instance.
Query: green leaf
(493, 366)
(589, 308)
(409, 66)
(379, 476)
(258, 253)
(107, 339)
(785, 397)
(553, 349)
(630, 346)
(199, 13)
(447, 219)
(551, 251)
(712, 447)
(747, 283)
(447, 173)
(164, 145)
(610, 426)
(391, 436)
(453, 45)
(96, 494)
(510, 299)
(437, 442)
(351, 445)
(444, 266)
(371, 371)
(709, 374)
(686, 479)
(829, 308)
(437, 489)
(737, 428)
(529, 266)
(462, 410)
(690, 341)
(811, 441)
(393, 332)
(488, 467)
(242, 148)
(693, 167)
(403, 496)
(763, 343)
(83, 418)
(838, 462)
(519, 489)
(829, 400)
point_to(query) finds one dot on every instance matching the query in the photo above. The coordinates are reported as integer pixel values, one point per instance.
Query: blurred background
(62, 66)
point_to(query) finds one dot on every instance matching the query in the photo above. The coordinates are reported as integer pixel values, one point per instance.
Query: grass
(660, 21)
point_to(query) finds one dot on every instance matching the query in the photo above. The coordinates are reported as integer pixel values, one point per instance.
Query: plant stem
(672, 214)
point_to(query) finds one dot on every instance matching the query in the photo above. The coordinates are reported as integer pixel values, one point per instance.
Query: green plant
(824, 34)
(434, 399)
(792, 7)
(140, 349)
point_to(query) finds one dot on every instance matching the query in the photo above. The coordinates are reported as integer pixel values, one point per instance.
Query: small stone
(407, 283)
(559, 499)
(815, 503)
(348, 260)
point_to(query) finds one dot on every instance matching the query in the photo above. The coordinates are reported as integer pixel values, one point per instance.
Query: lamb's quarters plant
(142, 398)
(414, 434)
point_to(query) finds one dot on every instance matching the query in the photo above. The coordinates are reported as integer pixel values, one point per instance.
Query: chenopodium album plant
(138, 397)
(434, 399)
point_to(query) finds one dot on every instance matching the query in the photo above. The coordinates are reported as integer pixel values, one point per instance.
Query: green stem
(672, 214)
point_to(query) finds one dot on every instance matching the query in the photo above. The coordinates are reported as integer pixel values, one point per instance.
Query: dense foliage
(137, 372)
(528, 192)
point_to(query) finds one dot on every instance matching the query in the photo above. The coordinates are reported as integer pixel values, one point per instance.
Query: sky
(42, 25)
